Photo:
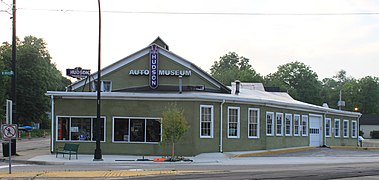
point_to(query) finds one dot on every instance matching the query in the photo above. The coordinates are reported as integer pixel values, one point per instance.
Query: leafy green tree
(232, 67)
(174, 125)
(368, 89)
(299, 80)
(35, 75)
(3, 79)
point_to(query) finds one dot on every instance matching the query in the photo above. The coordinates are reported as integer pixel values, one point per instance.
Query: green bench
(68, 149)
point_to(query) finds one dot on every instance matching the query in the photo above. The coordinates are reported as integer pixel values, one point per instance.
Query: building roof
(247, 95)
(369, 119)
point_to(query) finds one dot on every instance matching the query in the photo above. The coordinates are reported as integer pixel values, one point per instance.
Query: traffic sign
(9, 131)
(7, 73)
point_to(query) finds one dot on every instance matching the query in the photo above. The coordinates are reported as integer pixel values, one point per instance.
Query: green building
(136, 91)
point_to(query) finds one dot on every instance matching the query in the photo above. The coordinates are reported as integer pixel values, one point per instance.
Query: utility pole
(14, 48)
(98, 155)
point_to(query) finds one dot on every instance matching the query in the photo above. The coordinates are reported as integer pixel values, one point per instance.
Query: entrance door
(315, 134)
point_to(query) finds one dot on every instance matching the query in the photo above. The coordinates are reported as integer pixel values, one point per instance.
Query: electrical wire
(208, 13)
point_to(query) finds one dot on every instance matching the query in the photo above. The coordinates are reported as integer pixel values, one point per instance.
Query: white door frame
(318, 130)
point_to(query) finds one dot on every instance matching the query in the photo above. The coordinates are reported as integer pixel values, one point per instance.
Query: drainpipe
(223, 101)
(324, 131)
(52, 123)
(358, 128)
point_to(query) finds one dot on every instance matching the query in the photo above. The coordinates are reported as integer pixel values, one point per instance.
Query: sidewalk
(36, 151)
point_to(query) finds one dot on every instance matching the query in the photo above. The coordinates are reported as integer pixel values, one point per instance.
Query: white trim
(272, 123)
(140, 118)
(330, 127)
(212, 121)
(347, 128)
(238, 121)
(52, 123)
(302, 125)
(203, 96)
(70, 117)
(221, 125)
(248, 122)
(298, 125)
(285, 124)
(339, 127)
(354, 135)
(281, 126)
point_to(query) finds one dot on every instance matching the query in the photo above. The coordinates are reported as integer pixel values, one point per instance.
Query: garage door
(315, 134)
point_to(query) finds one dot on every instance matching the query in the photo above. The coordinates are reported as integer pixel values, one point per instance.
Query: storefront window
(136, 130)
(78, 128)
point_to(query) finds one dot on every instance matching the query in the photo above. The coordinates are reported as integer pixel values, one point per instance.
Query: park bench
(68, 149)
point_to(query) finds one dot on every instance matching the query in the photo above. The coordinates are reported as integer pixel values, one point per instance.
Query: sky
(327, 35)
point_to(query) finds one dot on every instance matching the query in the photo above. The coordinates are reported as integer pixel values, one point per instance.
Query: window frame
(337, 129)
(141, 118)
(211, 122)
(354, 128)
(303, 117)
(238, 121)
(298, 125)
(257, 124)
(272, 114)
(70, 122)
(346, 128)
(281, 124)
(328, 128)
(290, 125)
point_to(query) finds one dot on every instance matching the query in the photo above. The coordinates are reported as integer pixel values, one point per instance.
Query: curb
(355, 148)
(277, 151)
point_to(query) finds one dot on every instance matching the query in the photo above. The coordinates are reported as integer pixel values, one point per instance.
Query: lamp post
(97, 155)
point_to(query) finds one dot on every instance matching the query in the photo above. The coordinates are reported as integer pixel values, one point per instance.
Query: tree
(35, 75)
(232, 67)
(174, 126)
(299, 80)
(3, 79)
(368, 90)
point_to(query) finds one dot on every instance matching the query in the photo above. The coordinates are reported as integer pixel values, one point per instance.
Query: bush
(374, 134)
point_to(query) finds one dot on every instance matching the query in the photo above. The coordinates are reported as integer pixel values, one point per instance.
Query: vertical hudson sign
(153, 80)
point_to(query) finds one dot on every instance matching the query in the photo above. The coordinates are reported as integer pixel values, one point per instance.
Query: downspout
(223, 101)
(52, 123)
(324, 131)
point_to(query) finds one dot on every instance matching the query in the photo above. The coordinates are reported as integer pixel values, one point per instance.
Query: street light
(97, 155)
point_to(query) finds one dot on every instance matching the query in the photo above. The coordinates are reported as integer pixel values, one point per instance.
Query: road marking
(7, 166)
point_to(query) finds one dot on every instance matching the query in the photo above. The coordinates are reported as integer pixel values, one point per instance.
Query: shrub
(374, 134)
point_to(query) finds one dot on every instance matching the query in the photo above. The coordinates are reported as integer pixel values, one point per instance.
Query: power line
(208, 13)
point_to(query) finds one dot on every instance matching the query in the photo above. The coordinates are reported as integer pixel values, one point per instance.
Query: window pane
(137, 130)
(206, 121)
(63, 128)
(121, 130)
(81, 129)
(153, 130)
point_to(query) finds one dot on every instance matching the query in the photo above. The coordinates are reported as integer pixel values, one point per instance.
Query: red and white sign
(9, 131)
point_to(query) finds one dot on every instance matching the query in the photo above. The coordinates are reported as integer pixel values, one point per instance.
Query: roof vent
(238, 84)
